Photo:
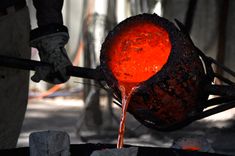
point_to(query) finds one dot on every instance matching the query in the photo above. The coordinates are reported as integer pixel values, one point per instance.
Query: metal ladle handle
(26, 64)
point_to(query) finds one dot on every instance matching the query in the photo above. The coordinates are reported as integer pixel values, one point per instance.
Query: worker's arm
(50, 38)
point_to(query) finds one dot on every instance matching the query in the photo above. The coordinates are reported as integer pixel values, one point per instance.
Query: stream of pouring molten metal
(137, 53)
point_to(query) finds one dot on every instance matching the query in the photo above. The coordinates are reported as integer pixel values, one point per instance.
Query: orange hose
(49, 91)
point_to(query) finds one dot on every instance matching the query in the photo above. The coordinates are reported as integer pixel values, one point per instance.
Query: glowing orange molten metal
(138, 52)
(191, 148)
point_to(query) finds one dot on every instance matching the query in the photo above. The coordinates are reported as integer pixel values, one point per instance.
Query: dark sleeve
(48, 12)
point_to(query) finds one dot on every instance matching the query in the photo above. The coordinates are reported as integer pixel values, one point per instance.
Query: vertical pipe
(190, 15)
(223, 13)
(120, 12)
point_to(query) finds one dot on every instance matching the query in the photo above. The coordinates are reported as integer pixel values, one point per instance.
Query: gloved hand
(51, 50)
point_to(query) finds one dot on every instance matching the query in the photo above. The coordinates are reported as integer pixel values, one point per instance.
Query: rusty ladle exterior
(173, 94)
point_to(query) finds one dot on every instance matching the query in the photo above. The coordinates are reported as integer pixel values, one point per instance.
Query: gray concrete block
(49, 143)
(131, 151)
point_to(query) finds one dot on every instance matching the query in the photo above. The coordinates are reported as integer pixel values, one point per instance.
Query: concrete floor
(65, 113)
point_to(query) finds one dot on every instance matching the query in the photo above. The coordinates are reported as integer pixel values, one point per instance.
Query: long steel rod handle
(26, 64)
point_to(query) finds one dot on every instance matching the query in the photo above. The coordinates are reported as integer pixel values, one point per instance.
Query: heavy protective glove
(51, 50)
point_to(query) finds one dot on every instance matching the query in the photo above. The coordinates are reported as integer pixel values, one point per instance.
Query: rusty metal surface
(175, 92)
